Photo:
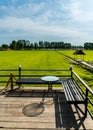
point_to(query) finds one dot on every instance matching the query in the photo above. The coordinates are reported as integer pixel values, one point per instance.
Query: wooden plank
(57, 114)
(74, 90)
(73, 94)
(68, 91)
(27, 125)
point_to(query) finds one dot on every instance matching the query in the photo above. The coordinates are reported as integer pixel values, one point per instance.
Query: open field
(32, 59)
(88, 54)
(43, 60)
(83, 73)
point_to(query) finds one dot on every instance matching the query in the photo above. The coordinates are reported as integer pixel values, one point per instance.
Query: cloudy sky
(51, 20)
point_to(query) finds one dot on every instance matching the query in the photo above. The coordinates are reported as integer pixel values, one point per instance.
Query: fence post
(11, 81)
(20, 71)
(86, 102)
(71, 71)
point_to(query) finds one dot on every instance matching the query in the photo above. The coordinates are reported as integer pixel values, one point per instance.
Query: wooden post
(86, 102)
(11, 81)
(71, 71)
(19, 71)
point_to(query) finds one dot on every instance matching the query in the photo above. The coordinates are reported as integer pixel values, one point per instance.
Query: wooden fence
(9, 77)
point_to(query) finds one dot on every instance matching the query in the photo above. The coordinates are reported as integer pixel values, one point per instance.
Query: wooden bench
(34, 81)
(73, 93)
(75, 89)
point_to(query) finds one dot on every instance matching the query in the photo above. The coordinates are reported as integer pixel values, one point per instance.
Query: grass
(87, 57)
(32, 59)
(43, 60)
(86, 75)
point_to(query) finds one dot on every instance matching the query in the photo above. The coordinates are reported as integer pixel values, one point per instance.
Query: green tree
(41, 45)
(5, 46)
(13, 45)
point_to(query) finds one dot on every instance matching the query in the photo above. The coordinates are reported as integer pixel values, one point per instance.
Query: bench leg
(86, 109)
(80, 110)
(86, 102)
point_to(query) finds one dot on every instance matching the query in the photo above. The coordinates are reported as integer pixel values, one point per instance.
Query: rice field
(44, 60)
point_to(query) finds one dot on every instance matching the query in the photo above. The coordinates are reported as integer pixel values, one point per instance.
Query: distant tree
(23, 44)
(53, 45)
(27, 44)
(35, 45)
(31, 46)
(5, 46)
(61, 45)
(47, 45)
(20, 45)
(13, 45)
(67, 46)
(88, 45)
(41, 45)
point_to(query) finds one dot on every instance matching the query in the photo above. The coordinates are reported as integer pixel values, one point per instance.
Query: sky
(70, 21)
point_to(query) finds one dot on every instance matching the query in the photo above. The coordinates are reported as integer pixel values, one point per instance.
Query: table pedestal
(49, 80)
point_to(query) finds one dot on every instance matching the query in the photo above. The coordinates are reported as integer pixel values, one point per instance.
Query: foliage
(88, 46)
(26, 45)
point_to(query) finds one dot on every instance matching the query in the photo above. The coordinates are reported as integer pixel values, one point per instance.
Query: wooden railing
(17, 73)
(8, 77)
(86, 91)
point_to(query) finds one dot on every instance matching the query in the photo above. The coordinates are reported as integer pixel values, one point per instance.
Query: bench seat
(73, 92)
(34, 81)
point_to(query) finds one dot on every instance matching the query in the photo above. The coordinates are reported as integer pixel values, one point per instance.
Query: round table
(49, 80)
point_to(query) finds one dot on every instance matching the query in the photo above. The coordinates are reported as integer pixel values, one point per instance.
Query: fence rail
(5, 74)
(86, 91)
(10, 76)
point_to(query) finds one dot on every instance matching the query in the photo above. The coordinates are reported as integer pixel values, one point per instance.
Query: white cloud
(81, 10)
(48, 19)
(13, 24)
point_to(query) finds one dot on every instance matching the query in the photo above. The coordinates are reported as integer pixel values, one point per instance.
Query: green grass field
(32, 59)
(87, 57)
(83, 73)
(38, 59)
(43, 60)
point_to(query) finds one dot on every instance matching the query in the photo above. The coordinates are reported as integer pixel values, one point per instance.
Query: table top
(50, 78)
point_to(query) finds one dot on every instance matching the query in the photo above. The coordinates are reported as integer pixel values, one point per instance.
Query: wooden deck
(56, 112)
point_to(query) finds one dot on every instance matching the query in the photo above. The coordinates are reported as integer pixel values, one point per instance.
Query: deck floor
(56, 112)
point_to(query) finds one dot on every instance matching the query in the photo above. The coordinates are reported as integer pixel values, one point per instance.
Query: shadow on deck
(65, 115)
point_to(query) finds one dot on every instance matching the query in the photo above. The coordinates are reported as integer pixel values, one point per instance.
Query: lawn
(43, 60)
(83, 73)
(32, 59)
(87, 57)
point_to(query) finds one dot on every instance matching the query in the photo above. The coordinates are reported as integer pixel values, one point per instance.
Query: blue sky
(51, 20)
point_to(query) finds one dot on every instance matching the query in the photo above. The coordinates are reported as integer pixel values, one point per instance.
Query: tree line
(88, 46)
(27, 45)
